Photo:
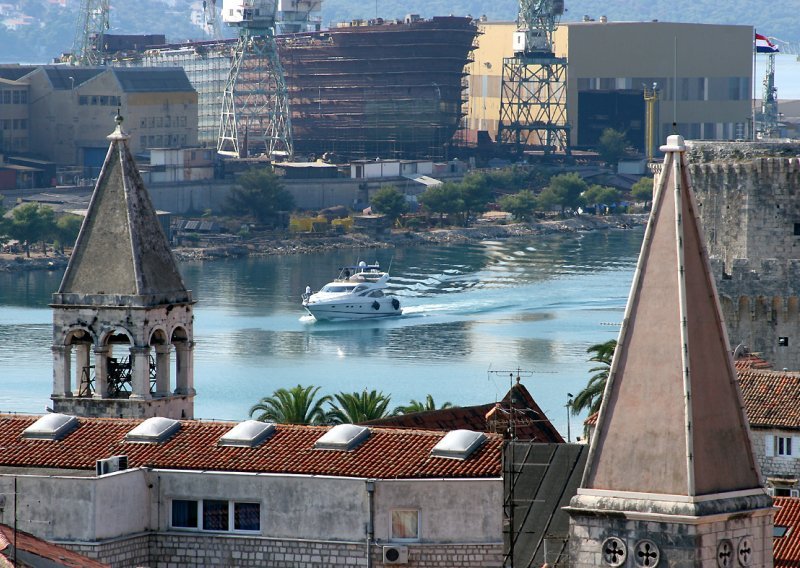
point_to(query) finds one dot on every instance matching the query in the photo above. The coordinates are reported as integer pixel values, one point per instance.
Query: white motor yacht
(357, 293)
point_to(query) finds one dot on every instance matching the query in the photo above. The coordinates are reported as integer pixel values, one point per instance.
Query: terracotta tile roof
(386, 454)
(531, 422)
(771, 398)
(751, 361)
(786, 549)
(55, 555)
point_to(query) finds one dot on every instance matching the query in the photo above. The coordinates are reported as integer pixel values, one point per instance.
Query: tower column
(62, 380)
(101, 372)
(162, 370)
(83, 369)
(185, 367)
(140, 373)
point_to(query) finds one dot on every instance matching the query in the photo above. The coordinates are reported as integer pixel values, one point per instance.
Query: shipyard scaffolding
(392, 89)
(255, 102)
(533, 97)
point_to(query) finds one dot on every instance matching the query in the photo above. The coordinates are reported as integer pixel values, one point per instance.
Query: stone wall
(750, 212)
(197, 550)
(132, 551)
(616, 540)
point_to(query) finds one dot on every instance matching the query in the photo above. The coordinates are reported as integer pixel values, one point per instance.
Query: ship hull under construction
(388, 89)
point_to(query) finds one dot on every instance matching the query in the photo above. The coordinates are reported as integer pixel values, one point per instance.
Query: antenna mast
(255, 100)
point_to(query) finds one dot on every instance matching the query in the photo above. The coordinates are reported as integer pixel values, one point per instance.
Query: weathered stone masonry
(167, 550)
(749, 196)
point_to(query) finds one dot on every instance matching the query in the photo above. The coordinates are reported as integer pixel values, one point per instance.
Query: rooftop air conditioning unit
(395, 554)
(112, 464)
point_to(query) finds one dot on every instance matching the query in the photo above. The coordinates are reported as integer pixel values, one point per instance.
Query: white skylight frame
(342, 437)
(458, 444)
(53, 426)
(154, 430)
(248, 434)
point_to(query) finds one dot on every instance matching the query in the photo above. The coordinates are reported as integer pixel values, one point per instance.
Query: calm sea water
(472, 314)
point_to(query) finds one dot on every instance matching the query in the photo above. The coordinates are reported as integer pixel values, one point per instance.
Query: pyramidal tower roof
(121, 250)
(672, 420)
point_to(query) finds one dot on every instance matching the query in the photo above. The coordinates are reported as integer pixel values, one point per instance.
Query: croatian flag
(763, 45)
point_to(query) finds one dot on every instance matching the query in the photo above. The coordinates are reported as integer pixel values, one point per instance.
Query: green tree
(32, 223)
(260, 193)
(563, 191)
(642, 190)
(297, 405)
(521, 205)
(67, 228)
(592, 395)
(417, 406)
(355, 407)
(476, 193)
(612, 145)
(598, 195)
(390, 202)
(444, 199)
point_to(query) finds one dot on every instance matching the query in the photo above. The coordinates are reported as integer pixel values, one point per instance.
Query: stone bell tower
(122, 317)
(671, 479)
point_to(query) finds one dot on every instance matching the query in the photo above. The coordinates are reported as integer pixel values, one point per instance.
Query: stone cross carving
(614, 551)
(745, 551)
(646, 553)
(724, 553)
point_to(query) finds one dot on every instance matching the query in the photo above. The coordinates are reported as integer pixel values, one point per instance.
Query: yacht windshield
(333, 288)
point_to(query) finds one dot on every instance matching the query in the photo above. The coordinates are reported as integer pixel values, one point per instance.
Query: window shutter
(796, 446)
(769, 446)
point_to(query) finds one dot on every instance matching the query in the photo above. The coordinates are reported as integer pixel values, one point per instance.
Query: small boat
(356, 293)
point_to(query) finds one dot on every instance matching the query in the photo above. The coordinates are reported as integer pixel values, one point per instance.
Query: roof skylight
(458, 444)
(343, 437)
(249, 434)
(153, 430)
(51, 427)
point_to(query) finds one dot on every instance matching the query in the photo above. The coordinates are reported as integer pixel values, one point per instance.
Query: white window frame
(231, 520)
(392, 536)
(783, 446)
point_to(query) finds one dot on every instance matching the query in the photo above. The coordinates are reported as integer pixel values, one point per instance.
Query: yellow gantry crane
(650, 99)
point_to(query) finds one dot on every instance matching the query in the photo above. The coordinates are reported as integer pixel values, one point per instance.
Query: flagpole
(753, 98)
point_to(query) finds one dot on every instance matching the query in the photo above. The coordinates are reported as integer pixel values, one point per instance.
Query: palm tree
(293, 406)
(592, 395)
(355, 407)
(417, 406)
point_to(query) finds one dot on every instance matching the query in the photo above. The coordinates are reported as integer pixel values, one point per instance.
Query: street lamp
(569, 408)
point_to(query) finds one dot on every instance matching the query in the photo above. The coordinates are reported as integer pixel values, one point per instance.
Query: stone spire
(672, 442)
(122, 312)
(121, 249)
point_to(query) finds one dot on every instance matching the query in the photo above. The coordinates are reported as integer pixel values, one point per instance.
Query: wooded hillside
(40, 29)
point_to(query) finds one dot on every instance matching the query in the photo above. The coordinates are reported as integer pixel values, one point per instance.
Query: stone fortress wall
(749, 197)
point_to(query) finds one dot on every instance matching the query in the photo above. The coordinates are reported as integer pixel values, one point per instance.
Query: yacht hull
(352, 311)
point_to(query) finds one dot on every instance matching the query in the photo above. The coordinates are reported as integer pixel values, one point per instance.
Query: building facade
(14, 116)
(190, 493)
(70, 109)
(704, 87)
